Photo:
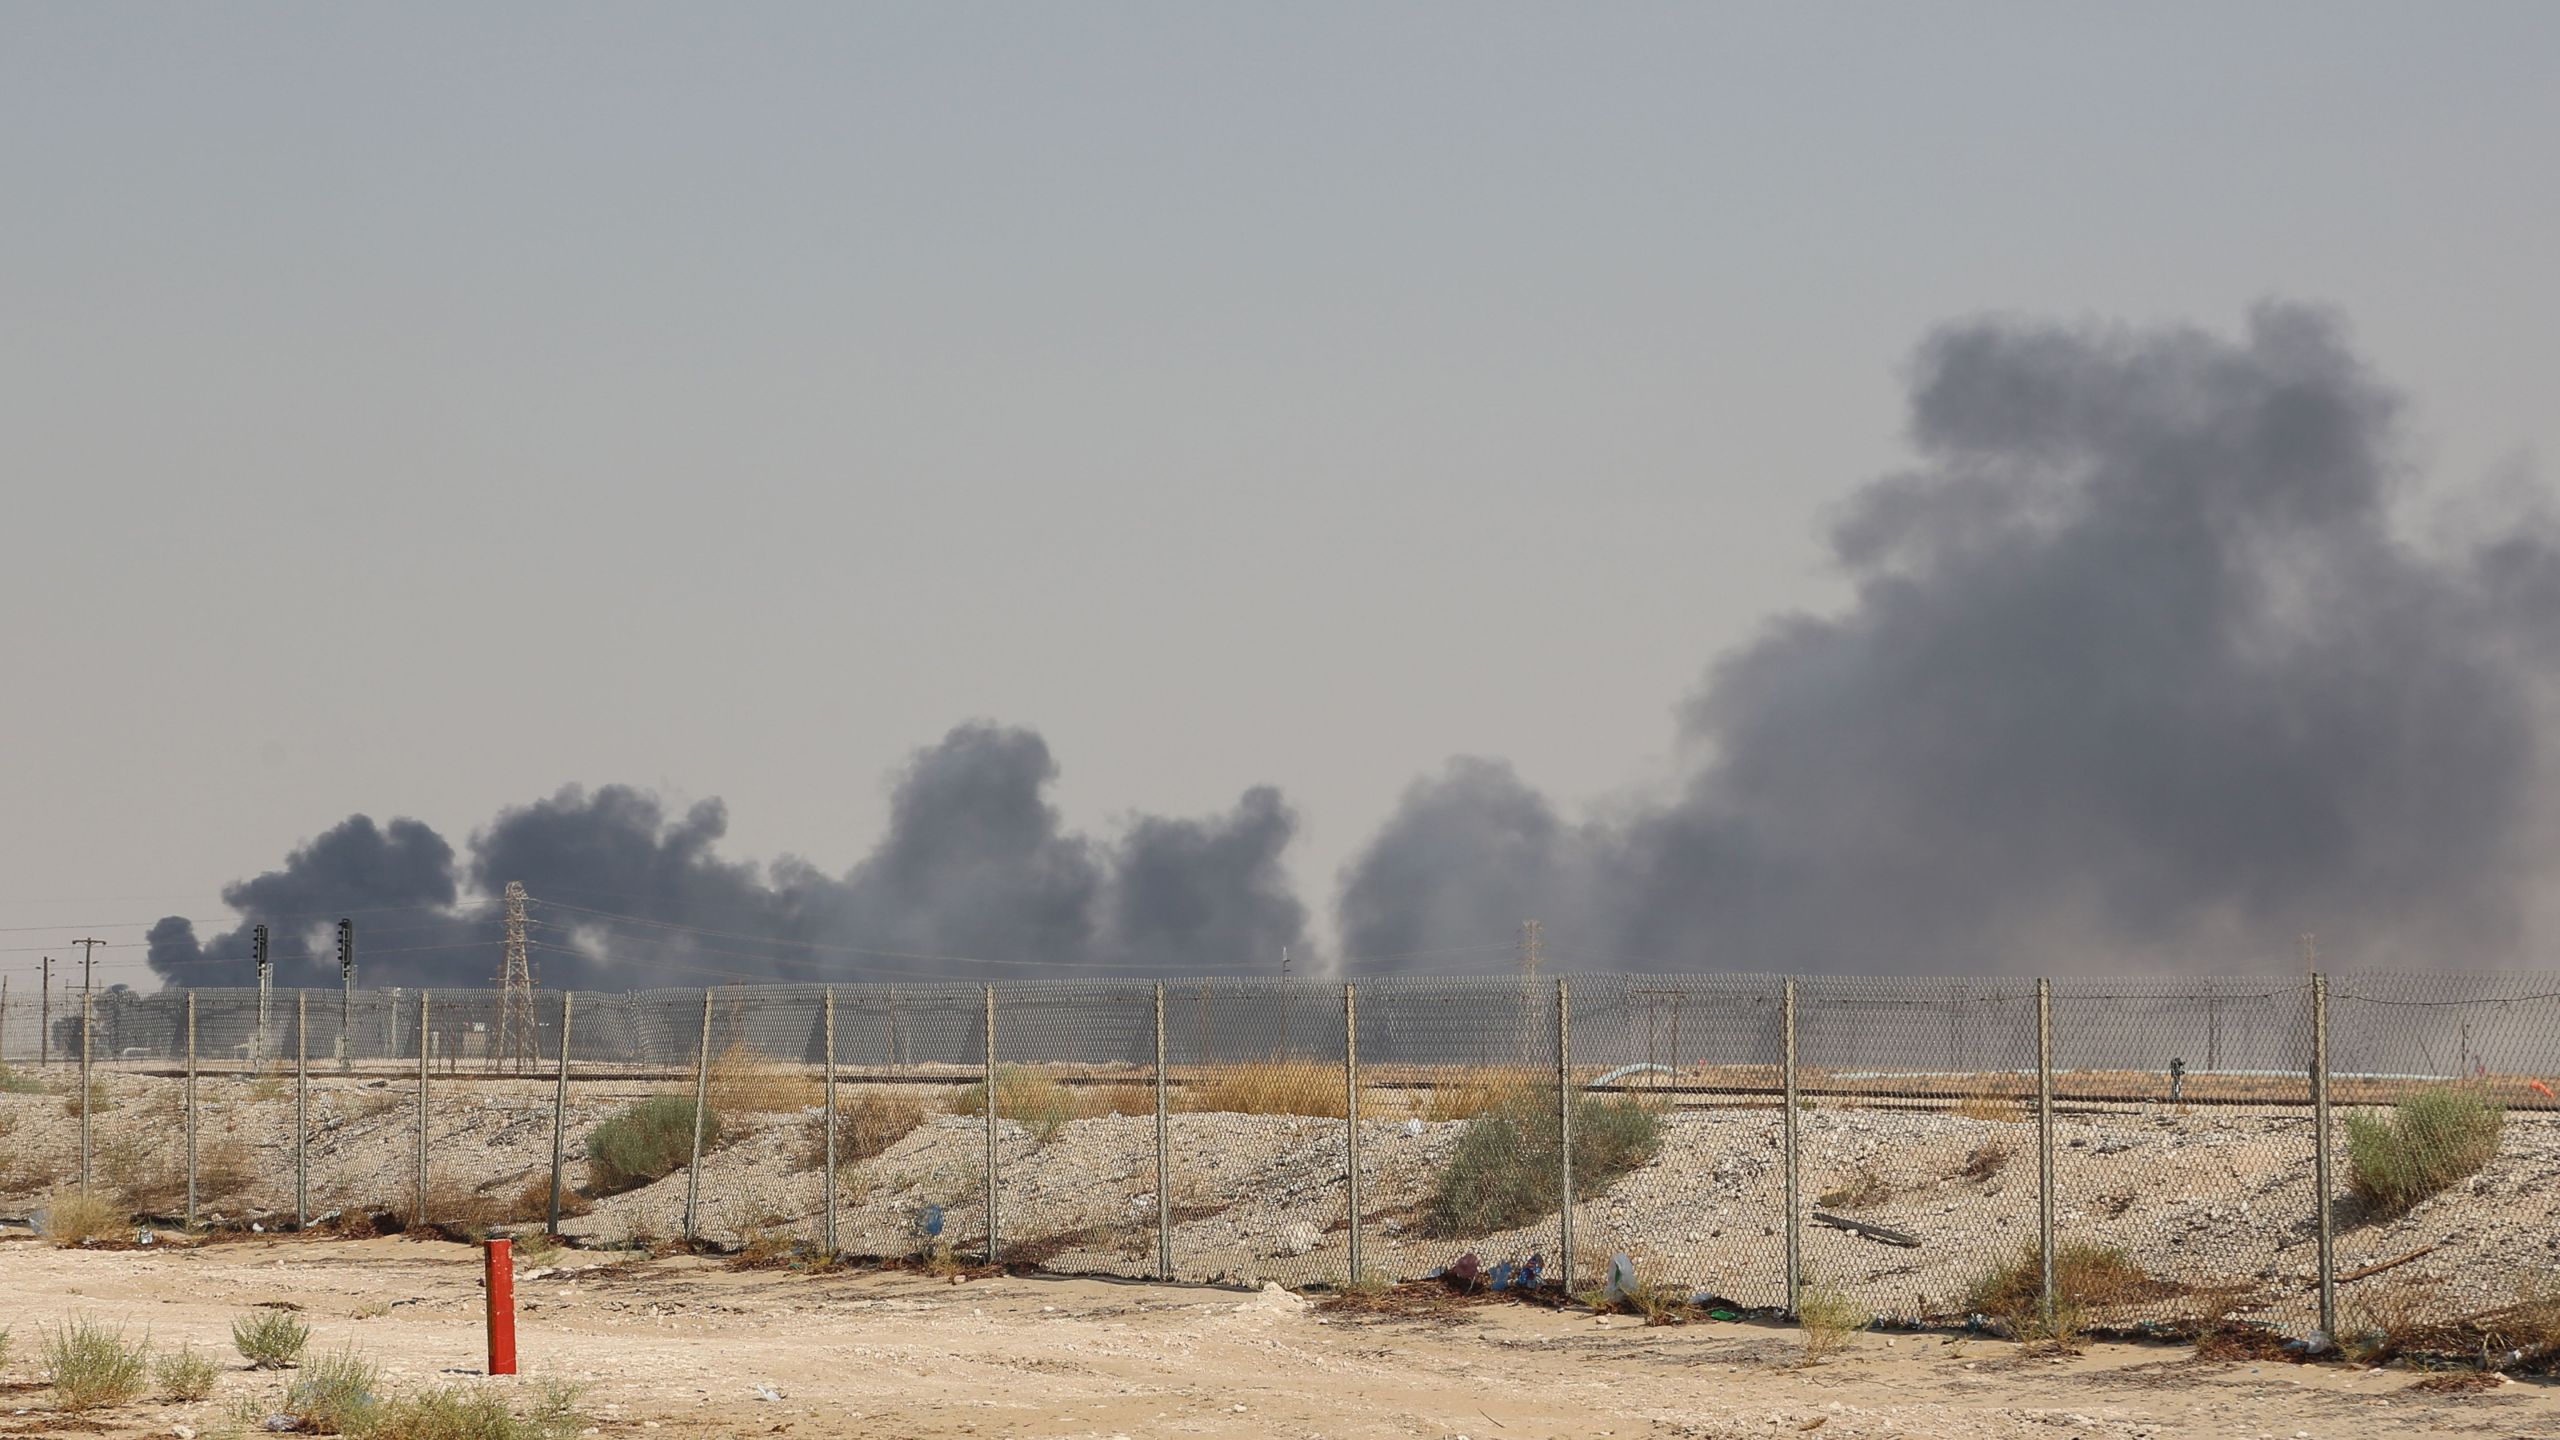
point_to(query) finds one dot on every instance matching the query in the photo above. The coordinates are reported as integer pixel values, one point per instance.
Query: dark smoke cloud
(974, 876)
(2138, 672)
(400, 877)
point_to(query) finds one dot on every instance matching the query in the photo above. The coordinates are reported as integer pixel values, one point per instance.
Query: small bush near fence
(645, 1142)
(1503, 1173)
(76, 1217)
(14, 1083)
(1267, 1087)
(533, 1202)
(744, 1082)
(865, 1128)
(2397, 1158)
(2085, 1277)
(1037, 1101)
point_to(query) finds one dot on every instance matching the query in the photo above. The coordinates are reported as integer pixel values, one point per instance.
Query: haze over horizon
(1761, 489)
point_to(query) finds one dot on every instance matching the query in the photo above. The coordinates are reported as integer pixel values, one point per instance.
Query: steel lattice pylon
(516, 1043)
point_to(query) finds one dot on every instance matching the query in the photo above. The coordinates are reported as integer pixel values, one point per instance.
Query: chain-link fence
(2299, 1152)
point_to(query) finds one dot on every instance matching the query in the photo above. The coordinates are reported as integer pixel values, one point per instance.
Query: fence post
(828, 1231)
(560, 1113)
(191, 1110)
(701, 1103)
(418, 1212)
(993, 1247)
(2320, 1153)
(88, 1096)
(2044, 1145)
(1351, 1112)
(4, 1020)
(1164, 1156)
(1564, 1135)
(1795, 1158)
(301, 1110)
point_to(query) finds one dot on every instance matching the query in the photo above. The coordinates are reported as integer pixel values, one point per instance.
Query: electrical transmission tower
(515, 1043)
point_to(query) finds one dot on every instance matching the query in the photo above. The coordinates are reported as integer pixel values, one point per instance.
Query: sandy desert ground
(687, 1347)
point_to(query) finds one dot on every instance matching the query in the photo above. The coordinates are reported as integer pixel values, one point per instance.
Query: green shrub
(184, 1374)
(645, 1142)
(2397, 1158)
(13, 1083)
(1503, 1173)
(90, 1364)
(269, 1339)
(334, 1395)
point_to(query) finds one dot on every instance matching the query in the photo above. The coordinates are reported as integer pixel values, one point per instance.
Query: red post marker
(502, 1305)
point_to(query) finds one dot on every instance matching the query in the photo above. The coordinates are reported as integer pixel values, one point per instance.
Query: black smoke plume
(2139, 672)
(974, 879)
(2142, 669)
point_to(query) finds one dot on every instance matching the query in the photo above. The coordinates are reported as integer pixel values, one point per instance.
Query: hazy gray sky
(412, 411)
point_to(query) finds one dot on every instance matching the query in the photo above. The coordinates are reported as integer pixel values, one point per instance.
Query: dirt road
(683, 1348)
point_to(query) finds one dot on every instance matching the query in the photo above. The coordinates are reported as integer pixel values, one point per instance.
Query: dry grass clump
(450, 1412)
(224, 1167)
(269, 1339)
(1033, 1098)
(1863, 1189)
(1987, 1159)
(2396, 1158)
(1828, 1318)
(148, 1172)
(533, 1203)
(1130, 1098)
(1267, 1087)
(98, 1100)
(865, 1128)
(1994, 1109)
(90, 1364)
(2456, 1382)
(76, 1217)
(2085, 1278)
(1481, 1091)
(184, 1374)
(24, 1168)
(456, 1207)
(745, 1081)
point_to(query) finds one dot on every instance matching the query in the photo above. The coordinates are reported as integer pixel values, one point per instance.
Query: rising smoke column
(976, 877)
(400, 877)
(2138, 671)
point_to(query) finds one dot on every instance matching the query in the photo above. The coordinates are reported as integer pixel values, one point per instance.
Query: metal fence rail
(2081, 1151)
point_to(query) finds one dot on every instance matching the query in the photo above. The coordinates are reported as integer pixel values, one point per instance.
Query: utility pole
(346, 992)
(258, 955)
(88, 963)
(44, 1018)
